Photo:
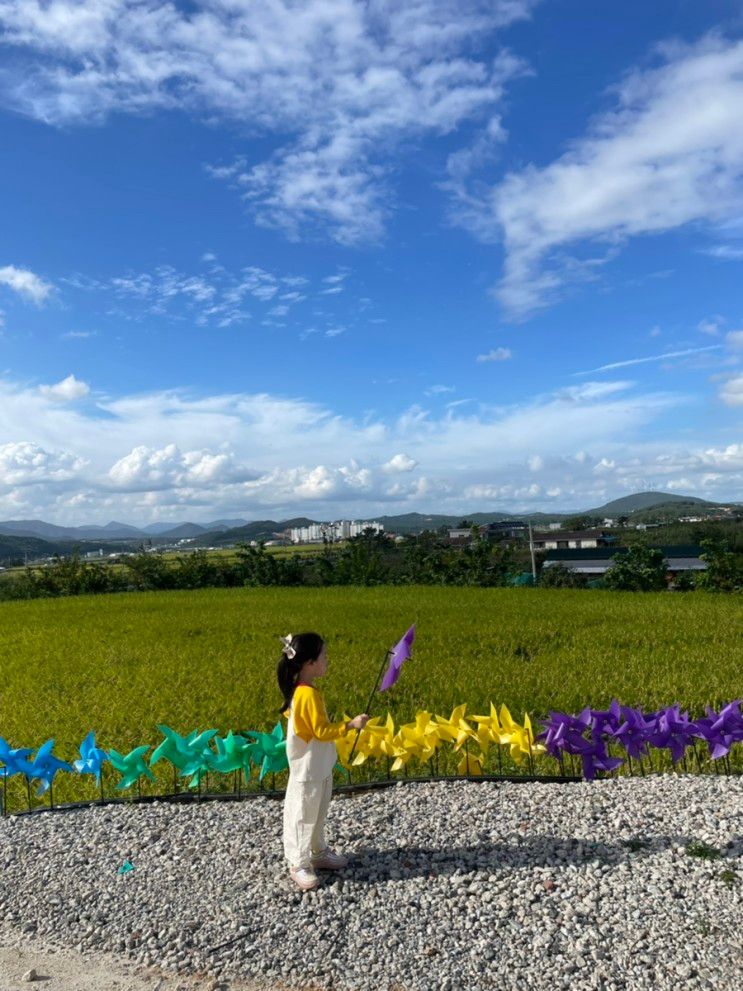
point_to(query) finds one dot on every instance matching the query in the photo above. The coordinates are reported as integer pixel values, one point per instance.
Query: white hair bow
(287, 648)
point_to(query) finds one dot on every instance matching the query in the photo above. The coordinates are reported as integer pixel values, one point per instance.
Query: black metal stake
(368, 704)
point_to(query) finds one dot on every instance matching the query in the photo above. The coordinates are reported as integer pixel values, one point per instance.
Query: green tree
(724, 568)
(639, 569)
(558, 576)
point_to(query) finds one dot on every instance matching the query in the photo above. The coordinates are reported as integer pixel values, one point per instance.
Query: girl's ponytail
(297, 651)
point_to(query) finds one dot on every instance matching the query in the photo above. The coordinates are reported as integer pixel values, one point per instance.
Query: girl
(312, 756)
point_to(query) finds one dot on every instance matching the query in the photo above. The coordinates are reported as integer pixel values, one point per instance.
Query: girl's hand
(358, 722)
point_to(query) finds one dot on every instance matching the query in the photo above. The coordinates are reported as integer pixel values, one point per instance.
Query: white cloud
(439, 390)
(25, 463)
(24, 282)
(711, 327)
(734, 340)
(400, 463)
(65, 391)
(142, 457)
(72, 335)
(145, 469)
(731, 391)
(668, 154)
(497, 354)
(340, 81)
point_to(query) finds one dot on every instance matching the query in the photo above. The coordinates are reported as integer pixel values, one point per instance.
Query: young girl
(312, 756)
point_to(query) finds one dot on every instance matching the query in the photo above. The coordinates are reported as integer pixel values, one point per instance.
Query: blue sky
(344, 258)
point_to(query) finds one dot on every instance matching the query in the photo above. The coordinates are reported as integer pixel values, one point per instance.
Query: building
(316, 533)
(572, 540)
(500, 530)
(597, 561)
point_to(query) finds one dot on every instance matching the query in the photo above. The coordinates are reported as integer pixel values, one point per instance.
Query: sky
(343, 259)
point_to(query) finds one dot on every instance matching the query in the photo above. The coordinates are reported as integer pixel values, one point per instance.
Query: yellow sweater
(310, 716)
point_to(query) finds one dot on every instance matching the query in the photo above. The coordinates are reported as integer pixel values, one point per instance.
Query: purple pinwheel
(720, 730)
(91, 758)
(673, 730)
(633, 732)
(567, 734)
(44, 766)
(399, 653)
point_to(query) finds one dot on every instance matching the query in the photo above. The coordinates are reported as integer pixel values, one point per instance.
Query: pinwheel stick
(368, 704)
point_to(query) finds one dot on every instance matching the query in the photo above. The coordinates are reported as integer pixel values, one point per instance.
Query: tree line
(369, 559)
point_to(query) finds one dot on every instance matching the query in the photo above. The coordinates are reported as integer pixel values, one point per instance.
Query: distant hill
(638, 507)
(646, 500)
(49, 531)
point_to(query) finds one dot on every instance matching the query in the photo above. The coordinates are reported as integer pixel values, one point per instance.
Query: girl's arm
(310, 710)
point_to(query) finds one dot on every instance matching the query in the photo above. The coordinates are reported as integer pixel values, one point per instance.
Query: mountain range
(234, 530)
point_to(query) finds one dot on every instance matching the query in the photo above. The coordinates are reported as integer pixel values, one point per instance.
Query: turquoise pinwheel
(201, 755)
(174, 748)
(234, 753)
(14, 761)
(271, 750)
(132, 767)
(91, 758)
(44, 766)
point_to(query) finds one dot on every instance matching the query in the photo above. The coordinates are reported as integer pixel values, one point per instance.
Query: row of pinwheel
(634, 734)
(190, 756)
(599, 739)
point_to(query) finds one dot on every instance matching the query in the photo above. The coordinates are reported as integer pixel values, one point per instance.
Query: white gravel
(452, 885)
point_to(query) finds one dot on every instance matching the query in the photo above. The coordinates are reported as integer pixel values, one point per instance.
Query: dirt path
(68, 970)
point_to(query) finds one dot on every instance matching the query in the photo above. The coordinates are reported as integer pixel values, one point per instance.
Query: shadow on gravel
(372, 864)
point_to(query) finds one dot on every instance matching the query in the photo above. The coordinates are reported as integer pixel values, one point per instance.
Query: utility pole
(531, 551)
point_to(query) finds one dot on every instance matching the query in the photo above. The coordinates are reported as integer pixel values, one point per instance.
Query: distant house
(596, 562)
(572, 539)
(499, 530)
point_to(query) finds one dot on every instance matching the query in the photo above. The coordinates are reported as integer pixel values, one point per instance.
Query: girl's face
(318, 667)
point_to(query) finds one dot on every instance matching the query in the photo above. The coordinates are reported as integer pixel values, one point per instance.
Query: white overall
(307, 796)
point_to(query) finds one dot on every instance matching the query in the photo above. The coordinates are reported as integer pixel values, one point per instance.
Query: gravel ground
(456, 885)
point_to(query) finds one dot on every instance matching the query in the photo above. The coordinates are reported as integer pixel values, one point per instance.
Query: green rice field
(121, 664)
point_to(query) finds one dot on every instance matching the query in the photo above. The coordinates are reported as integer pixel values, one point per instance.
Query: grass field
(120, 664)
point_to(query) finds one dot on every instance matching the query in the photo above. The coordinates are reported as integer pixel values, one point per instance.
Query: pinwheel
(633, 732)
(721, 730)
(92, 758)
(44, 766)
(271, 750)
(201, 756)
(375, 740)
(673, 730)
(132, 767)
(14, 761)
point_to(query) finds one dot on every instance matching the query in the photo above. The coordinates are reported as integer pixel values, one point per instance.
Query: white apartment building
(340, 530)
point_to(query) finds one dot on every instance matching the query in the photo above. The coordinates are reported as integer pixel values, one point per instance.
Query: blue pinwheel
(92, 758)
(44, 766)
(14, 761)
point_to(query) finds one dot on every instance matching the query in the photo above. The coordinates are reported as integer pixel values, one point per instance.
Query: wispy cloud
(653, 357)
(25, 283)
(340, 83)
(668, 153)
(497, 354)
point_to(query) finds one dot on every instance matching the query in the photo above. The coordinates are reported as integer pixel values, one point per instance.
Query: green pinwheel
(200, 760)
(132, 767)
(270, 750)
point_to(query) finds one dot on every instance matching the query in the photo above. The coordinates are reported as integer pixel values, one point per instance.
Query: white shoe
(304, 878)
(329, 860)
